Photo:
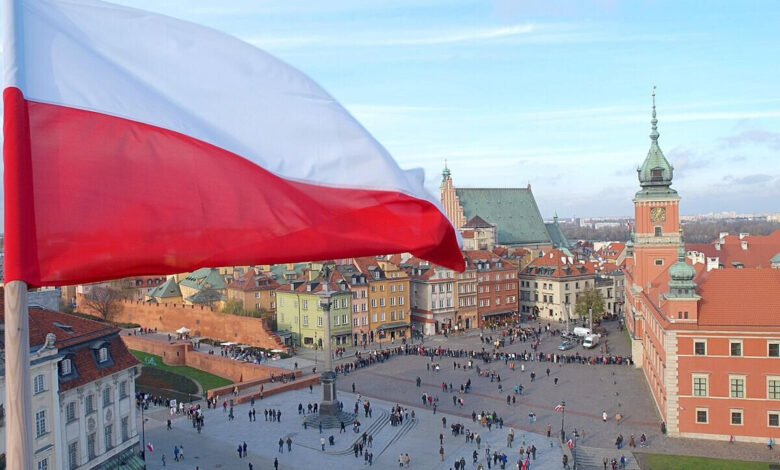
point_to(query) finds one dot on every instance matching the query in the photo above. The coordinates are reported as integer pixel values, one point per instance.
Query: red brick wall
(182, 353)
(203, 321)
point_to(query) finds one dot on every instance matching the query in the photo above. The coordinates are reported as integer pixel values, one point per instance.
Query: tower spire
(446, 173)
(654, 122)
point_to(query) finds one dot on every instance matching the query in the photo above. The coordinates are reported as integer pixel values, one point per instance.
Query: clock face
(658, 214)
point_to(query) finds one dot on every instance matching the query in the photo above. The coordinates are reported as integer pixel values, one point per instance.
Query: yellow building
(388, 299)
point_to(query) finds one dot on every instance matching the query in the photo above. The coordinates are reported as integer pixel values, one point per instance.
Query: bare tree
(105, 301)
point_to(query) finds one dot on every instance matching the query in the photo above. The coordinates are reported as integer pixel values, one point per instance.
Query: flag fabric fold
(140, 144)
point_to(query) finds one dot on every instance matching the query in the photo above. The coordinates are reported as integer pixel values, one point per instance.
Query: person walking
(276, 463)
(289, 444)
(441, 453)
(281, 445)
(322, 443)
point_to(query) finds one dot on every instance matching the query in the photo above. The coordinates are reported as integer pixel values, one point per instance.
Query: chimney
(744, 244)
(722, 235)
(717, 246)
(743, 235)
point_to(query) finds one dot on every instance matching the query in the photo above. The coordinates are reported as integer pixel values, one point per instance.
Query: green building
(298, 310)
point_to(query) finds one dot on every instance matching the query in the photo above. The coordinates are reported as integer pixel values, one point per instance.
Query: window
(700, 385)
(401, 315)
(43, 464)
(364, 321)
(659, 262)
(109, 436)
(400, 300)
(392, 301)
(392, 315)
(125, 428)
(774, 350)
(305, 304)
(701, 415)
(373, 303)
(354, 321)
(355, 308)
(66, 367)
(319, 321)
(737, 387)
(700, 348)
(305, 320)
(89, 403)
(123, 389)
(400, 288)
(382, 316)
(773, 419)
(344, 320)
(107, 398)
(40, 423)
(38, 384)
(91, 446)
(73, 455)
(335, 321)
(736, 417)
(773, 388)
(373, 317)
(103, 354)
(658, 231)
(392, 287)
(70, 412)
(382, 302)
(735, 348)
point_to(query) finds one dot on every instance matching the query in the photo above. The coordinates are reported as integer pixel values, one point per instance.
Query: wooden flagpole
(18, 435)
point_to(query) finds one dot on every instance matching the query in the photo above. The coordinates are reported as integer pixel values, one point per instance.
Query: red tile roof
(749, 296)
(760, 249)
(252, 282)
(559, 265)
(75, 335)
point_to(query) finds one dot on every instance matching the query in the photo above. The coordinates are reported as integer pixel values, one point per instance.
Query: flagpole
(18, 433)
(18, 436)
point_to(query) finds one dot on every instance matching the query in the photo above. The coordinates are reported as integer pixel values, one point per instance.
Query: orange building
(255, 290)
(388, 299)
(708, 341)
(496, 287)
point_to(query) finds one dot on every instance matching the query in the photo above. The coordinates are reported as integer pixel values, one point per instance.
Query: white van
(591, 341)
(580, 331)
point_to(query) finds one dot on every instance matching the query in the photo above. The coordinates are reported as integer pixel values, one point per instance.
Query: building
(433, 294)
(737, 251)
(388, 298)
(612, 252)
(513, 212)
(357, 284)
(551, 284)
(83, 401)
(167, 292)
(255, 290)
(708, 341)
(467, 312)
(299, 311)
(204, 286)
(496, 287)
(557, 237)
(478, 234)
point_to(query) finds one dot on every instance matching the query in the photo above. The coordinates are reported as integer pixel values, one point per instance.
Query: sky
(552, 93)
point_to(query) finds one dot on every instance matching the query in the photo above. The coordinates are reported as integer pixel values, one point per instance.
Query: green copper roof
(513, 210)
(655, 174)
(167, 289)
(204, 277)
(557, 236)
(681, 284)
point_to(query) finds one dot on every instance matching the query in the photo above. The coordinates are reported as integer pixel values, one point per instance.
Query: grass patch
(207, 381)
(685, 462)
(166, 384)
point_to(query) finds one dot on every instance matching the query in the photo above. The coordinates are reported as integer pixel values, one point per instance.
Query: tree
(234, 306)
(589, 299)
(103, 300)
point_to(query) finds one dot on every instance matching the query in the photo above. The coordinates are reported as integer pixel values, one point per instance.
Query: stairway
(592, 458)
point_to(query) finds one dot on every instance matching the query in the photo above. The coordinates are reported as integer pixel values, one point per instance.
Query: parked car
(566, 345)
(582, 332)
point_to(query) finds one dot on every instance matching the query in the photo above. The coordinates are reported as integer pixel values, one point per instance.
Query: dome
(682, 271)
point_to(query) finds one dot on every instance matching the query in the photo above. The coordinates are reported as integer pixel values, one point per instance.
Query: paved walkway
(216, 446)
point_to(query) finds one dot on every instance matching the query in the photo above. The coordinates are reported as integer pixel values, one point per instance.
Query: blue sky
(555, 93)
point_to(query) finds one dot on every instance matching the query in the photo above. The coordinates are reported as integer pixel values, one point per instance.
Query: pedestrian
(441, 453)
(604, 416)
(322, 443)
(281, 445)
(163, 459)
(353, 387)
(276, 463)
(244, 448)
(289, 444)
(240, 454)
(549, 428)
(770, 443)
(251, 467)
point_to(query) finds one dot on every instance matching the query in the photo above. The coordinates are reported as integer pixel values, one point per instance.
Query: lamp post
(574, 456)
(563, 415)
(143, 432)
(329, 406)
(316, 345)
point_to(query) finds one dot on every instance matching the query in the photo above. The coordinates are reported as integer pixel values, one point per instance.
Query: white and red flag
(140, 144)
(558, 408)
(150, 446)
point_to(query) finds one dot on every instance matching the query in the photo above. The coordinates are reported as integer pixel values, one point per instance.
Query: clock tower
(656, 235)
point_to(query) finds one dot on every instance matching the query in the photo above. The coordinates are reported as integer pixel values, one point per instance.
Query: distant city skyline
(555, 95)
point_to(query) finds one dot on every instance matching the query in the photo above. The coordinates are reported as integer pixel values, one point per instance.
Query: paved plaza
(588, 390)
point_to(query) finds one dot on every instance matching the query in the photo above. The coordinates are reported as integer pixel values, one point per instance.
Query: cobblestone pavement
(216, 447)
(587, 390)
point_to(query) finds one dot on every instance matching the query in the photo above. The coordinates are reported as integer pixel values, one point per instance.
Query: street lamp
(143, 431)
(315, 347)
(563, 415)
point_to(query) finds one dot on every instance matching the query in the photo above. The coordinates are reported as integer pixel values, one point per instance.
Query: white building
(83, 403)
(433, 296)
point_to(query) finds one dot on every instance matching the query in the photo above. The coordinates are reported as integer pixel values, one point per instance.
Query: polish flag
(559, 408)
(150, 446)
(139, 144)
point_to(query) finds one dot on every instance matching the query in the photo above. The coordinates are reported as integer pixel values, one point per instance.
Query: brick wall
(179, 353)
(203, 321)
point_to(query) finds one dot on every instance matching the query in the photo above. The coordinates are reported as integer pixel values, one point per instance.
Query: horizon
(558, 96)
